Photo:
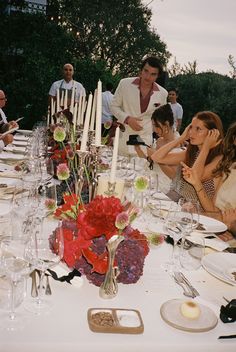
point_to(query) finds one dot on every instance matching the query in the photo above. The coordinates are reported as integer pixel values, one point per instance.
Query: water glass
(192, 251)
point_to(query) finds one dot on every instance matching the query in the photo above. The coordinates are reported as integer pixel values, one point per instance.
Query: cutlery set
(35, 287)
(181, 280)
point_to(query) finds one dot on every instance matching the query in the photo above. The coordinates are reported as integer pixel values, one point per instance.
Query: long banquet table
(65, 327)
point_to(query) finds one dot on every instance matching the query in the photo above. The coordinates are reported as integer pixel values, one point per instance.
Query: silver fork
(181, 278)
(187, 291)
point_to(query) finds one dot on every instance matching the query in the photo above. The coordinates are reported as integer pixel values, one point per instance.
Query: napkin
(212, 241)
(62, 270)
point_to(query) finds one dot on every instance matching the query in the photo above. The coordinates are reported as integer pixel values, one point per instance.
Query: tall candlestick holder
(95, 153)
(82, 155)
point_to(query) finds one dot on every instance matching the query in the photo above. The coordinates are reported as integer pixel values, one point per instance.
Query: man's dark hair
(152, 61)
(109, 86)
(173, 90)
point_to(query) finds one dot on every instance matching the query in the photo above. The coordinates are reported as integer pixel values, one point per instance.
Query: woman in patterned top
(203, 153)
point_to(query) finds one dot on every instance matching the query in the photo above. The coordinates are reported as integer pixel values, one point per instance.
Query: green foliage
(206, 91)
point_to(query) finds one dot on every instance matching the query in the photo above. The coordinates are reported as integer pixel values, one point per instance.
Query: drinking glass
(153, 183)
(192, 251)
(47, 199)
(14, 269)
(44, 250)
(193, 207)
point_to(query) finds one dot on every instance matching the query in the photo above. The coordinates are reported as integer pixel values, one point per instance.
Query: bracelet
(199, 190)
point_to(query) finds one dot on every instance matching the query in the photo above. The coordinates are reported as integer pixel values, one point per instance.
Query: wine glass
(193, 207)
(192, 251)
(153, 183)
(44, 250)
(14, 269)
(47, 199)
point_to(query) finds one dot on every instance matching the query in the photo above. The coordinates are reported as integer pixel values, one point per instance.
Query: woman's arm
(190, 175)
(164, 156)
(203, 171)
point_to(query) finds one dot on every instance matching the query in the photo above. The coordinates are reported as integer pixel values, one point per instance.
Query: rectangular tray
(125, 321)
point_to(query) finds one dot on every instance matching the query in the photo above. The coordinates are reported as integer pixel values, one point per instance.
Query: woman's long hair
(211, 121)
(229, 152)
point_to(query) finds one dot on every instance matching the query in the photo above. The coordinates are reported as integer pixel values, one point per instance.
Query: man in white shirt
(176, 108)
(106, 101)
(67, 83)
(4, 125)
(135, 100)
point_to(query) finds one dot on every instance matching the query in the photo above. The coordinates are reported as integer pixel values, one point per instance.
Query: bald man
(4, 125)
(67, 83)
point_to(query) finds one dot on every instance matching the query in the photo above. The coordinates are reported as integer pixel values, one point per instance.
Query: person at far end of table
(176, 108)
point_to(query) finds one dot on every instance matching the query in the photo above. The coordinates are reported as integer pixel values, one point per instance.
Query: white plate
(19, 143)
(20, 137)
(218, 265)
(14, 149)
(170, 313)
(211, 225)
(25, 132)
(11, 156)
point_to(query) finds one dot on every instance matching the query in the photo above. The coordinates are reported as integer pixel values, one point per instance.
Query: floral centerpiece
(88, 228)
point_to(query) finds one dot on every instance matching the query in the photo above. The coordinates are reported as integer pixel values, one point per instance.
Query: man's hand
(8, 139)
(13, 124)
(133, 123)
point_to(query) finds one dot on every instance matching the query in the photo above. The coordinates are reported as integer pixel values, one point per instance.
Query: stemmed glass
(193, 207)
(14, 269)
(47, 199)
(44, 250)
(177, 224)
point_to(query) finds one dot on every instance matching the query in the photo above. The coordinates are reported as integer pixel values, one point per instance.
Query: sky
(201, 30)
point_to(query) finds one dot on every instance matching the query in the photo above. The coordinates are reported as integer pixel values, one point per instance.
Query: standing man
(107, 97)
(135, 100)
(67, 83)
(176, 108)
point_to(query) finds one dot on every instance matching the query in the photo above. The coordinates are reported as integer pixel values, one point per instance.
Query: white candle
(79, 111)
(114, 156)
(83, 147)
(62, 98)
(93, 111)
(75, 115)
(72, 102)
(52, 109)
(83, 107)
(98, 129)
(66, 100)
(48, 117)
(58, 101)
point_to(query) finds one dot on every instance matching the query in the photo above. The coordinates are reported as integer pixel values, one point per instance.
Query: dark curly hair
(162, 115)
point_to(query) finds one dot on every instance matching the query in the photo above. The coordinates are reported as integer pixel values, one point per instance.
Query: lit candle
(66, 100)
(83, 147)
(114, 156)
(98, 129)
(58, 101)
(72, 102)
(93, 111)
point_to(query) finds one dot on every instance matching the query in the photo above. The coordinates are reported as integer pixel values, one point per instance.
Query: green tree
(206, 91)
(117, 32)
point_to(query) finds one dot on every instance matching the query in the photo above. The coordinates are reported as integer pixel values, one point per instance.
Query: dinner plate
(170, 313)
(211, 225)
(11, 156)
(20, 137)
(220, 265)
(14, 149)
(19, 143)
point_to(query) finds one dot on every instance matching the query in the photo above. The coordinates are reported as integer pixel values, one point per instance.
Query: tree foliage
(117, 32)
(206, 91)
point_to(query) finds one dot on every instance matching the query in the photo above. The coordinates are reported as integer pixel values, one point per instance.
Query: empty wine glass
(193, 207)
(14, 269)
(47, 199)
(192, 251)
(44, 250)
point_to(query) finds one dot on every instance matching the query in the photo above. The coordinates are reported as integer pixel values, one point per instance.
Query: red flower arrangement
(87, 230)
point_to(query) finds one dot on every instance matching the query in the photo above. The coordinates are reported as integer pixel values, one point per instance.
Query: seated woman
(163, 125)
(224, 181)
(203, 153)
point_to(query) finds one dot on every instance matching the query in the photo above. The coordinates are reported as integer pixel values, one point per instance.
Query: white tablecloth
(65, 328)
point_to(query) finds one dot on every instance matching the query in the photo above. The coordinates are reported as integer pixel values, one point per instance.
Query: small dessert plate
(171, 314)
(115, 320)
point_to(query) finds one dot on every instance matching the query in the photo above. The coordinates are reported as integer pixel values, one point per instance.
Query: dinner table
(65, 327)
